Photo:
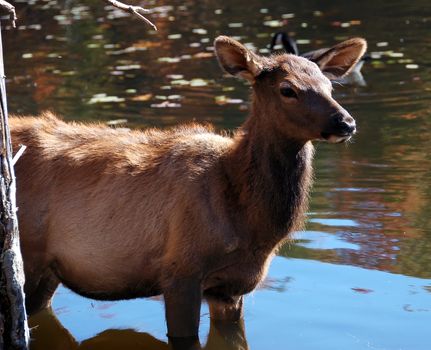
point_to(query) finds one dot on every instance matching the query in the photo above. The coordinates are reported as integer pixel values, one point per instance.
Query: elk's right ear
(236, 59)
(340, 59)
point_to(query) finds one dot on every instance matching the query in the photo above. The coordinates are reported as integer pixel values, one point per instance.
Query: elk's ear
(341, 58)
(236, 59)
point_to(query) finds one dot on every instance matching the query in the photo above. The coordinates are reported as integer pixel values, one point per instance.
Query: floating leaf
(166, 104)
(382, 44)
(169, 59)
(116, 122)
(103, 98)
(68, 73)
(273, 23)
(129, 67)
(203, 55)
(200, 31)
(93, 45)
(412, 66)
(223, 100)
(303, 41)
(198, 82)
(142, 98)
(174, 36)
(180, 82)
(396, 54)
(409, 116)
(175, 76)
(362, 290)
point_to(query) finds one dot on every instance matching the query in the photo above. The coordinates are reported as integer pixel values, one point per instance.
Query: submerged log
(14, 333)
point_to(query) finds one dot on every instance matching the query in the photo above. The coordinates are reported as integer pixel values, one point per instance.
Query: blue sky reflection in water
(360, 276)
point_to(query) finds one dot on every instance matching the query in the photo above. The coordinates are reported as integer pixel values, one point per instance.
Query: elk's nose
(344, 124)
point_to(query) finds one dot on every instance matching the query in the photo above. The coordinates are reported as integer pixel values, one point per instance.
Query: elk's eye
(287, 91)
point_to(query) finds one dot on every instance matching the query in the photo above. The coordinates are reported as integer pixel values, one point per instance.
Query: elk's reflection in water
(48, 333)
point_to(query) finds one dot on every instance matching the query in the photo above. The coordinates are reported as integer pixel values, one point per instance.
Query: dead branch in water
(14, 333)
(134, 10)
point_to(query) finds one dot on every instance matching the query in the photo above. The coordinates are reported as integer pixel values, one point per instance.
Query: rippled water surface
(360, 276)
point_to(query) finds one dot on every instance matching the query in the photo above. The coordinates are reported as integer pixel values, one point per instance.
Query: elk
(185, 212)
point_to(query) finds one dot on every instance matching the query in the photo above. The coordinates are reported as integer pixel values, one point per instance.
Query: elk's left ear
(236, 59)
(341, 58)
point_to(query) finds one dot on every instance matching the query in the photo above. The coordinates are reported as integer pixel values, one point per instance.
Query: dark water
(360, 276)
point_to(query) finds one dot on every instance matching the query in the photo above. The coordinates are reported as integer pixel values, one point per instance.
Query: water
(360, 276)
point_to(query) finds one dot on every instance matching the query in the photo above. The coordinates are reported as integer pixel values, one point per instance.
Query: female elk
(184, 212)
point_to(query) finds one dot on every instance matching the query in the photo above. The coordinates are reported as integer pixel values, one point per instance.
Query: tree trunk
(14, 333)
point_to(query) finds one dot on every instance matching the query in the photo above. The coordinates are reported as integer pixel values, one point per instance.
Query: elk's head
(292, 93)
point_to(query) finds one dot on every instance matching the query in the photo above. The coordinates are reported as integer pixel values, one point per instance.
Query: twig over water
(135, 10)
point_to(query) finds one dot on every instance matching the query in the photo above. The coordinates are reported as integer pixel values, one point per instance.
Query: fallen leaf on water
(169, 59)
(203, 55)
(141, 44)
(273, 23)
(382, 44)
(174, 36)
(180, 82)
(223, 100)
(141, 98)
(175, 76)
(198, 82)
(287, 15)
(412, 66)
(200, 31)
(362, 290)
(409, 116)
(116, 122)
(128, 67)
(165, 104)
(103, 98)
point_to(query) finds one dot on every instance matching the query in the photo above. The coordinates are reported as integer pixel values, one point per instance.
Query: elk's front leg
(226, 309)
(182, 306)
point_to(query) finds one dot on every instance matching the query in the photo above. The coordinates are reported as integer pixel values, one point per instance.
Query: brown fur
(115, 214)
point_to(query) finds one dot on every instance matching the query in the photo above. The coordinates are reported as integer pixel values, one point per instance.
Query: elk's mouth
(336, 138)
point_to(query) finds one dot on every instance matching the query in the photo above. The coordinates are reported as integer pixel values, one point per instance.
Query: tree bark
(14, 333)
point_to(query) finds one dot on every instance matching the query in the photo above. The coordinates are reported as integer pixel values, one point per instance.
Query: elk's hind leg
(39, 294)
(226, 308)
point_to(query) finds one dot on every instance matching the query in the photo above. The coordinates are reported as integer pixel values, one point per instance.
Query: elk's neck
(270, 176)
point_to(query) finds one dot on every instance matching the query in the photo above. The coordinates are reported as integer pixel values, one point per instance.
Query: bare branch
(11, 9)
(134, 10)
(18, 154)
